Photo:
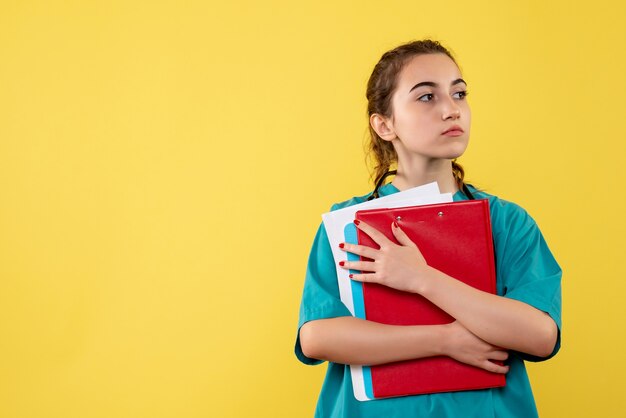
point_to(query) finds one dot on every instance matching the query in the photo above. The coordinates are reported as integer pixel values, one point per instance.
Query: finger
(362, 250)
(378, 237)
(494, 368)
(358, 265)
(499, 355)
(401, 236)
(364, 277)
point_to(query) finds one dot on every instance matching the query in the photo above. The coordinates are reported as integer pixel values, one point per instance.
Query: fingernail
(395, 224)
(356, 222)
(341, 245)
(351, 276)
(341, 263)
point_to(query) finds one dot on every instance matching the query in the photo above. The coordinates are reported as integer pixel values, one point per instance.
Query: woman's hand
(393, 265)
(462, 345)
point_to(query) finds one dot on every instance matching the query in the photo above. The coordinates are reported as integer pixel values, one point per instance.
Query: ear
(383, 127)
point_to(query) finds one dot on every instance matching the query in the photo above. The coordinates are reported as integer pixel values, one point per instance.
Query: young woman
(420, 120)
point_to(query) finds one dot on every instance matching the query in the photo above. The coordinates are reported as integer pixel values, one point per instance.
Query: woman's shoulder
(350, 202)
(505, 212)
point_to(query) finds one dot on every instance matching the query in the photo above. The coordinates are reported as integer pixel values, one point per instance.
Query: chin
(455, 153)
(452, 156)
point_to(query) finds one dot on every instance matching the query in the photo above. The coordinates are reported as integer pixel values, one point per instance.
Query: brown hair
(380, 88)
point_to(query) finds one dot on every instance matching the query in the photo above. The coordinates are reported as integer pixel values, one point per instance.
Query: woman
(420, 120)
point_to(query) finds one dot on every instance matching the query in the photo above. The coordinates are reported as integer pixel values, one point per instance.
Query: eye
(460, 94)
(426, 97)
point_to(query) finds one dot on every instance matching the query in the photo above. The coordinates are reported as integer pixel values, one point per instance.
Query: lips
(453, 131)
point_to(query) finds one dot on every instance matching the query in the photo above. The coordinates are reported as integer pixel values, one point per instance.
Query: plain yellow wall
(164, 165)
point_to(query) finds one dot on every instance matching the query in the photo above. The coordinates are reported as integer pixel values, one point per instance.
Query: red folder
(456, 239)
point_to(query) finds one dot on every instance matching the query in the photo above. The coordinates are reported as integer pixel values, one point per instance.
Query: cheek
(419, 121)
(416, 127)
(414, 123)
(468, 112)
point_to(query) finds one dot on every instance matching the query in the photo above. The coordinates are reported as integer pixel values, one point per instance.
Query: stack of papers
(340, 228)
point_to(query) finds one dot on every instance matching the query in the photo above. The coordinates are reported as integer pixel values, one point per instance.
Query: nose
(450, 110)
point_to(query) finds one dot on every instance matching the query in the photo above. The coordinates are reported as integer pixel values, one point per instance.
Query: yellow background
(164, 165)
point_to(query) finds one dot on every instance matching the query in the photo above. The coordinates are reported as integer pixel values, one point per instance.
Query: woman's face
(430, 115)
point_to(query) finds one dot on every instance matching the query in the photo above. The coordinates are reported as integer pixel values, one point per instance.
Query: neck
(416, 173)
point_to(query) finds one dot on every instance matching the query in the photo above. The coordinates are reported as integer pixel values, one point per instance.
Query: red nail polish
(395, 224)
(351, 276)
(356, 222)
(341, 263)
(341, 245)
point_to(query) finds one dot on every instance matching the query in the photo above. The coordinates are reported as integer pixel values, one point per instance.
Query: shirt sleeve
(320, 297)
(529, 272)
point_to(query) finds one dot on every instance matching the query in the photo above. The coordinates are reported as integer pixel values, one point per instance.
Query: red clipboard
(456, 239)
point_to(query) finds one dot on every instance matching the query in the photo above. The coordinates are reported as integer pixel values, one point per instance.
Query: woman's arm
(501, 321)
(498, 320)
(350, 340)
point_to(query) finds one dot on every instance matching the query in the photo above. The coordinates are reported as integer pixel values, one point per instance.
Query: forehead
(438, 68)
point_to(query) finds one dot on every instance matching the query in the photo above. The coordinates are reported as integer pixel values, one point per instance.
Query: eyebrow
(433, 84)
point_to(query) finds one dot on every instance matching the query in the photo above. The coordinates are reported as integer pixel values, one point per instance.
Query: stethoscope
(380, 181)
